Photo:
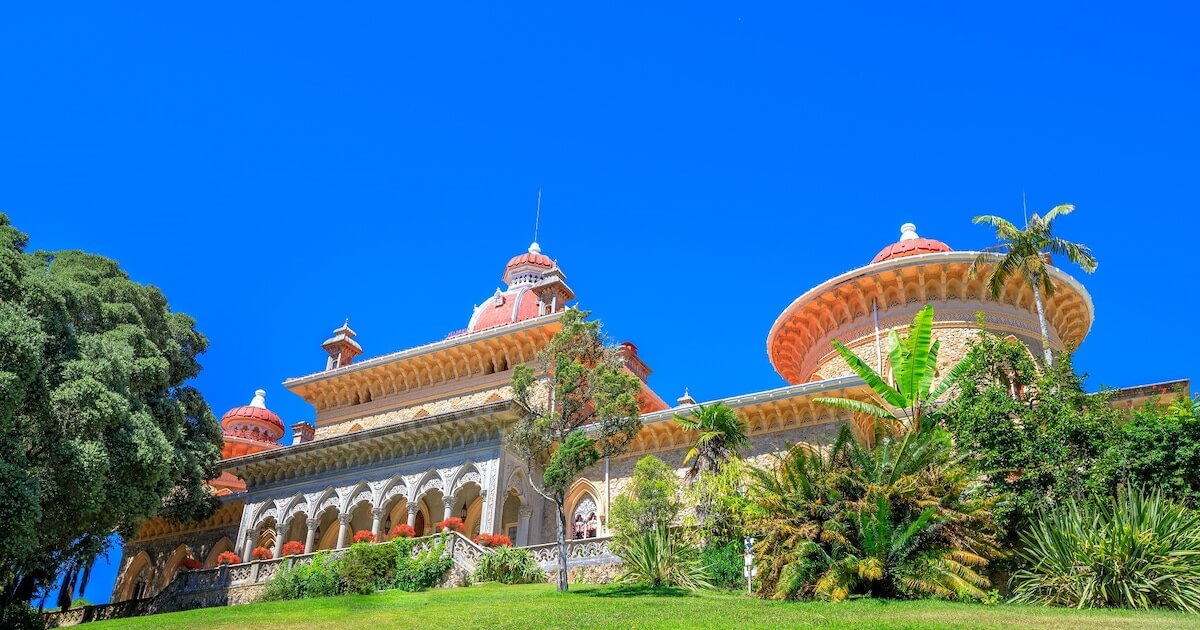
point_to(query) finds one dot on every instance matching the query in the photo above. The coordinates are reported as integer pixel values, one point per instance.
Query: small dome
(515, 305)
(253, 419)
(531, 261)
(910, 244)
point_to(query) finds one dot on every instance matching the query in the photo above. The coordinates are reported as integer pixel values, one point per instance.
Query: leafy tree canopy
(650, 499)
(97, 429)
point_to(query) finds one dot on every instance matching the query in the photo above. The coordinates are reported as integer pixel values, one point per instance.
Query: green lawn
(539, 606)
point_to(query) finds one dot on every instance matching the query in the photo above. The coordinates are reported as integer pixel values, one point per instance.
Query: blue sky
(276, 169)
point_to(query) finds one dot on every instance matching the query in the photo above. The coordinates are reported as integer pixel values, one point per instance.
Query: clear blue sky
(276, 170)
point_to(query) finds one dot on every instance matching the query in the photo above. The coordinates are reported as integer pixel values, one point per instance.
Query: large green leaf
(857, 406)
(917, 341)
(871, 377)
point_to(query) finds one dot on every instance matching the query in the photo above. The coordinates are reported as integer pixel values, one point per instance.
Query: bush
(660, 557)
(725, 564)
(423, 570)
(368, 568)
(1138, 550)
(318, 579)
(293, 547)
(20, 616)
(650, 500)
(228, 557)
(453, 524)
(493, 540)
(509, 566)
(363, 535)
(261, 553)
(403, 531)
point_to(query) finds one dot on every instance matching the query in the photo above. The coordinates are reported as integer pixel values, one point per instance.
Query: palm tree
(1025, 252)
(722, 436)
(913, 362)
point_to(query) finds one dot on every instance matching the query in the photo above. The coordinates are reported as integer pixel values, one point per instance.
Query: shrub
(367, 568)
(1138, 550)
(403, 531)
(424, 569)
(509, 566)
(493, 540)
(317, 579)
(724, 564)
(293, 547)
(660, 556)
(453, 524)
(261, 553)
(191, 564)
(363, 535)
(228, 557)
(651, 498)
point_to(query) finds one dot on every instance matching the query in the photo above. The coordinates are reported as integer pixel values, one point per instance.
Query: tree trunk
(1041, 312)
(562, 542)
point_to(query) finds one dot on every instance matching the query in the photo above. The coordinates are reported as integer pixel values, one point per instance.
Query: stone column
(280, 534)
(248, 545)
(523, 526)
(413, 508)
(448, 502)
(376, 522)
(311, 539)
(344, 533)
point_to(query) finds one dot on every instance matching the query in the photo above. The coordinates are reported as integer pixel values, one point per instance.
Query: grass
(539, 606)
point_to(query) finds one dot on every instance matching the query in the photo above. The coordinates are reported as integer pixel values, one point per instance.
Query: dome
(910, 244)
(515, 305)
(527, 267)
(253, 421)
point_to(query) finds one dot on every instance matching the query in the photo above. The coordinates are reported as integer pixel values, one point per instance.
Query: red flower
(261, 553)
(363, 535)
(293, 547)
(453, 524)
(191, 564)
(493, 540)
(403, 531)
(228, 557)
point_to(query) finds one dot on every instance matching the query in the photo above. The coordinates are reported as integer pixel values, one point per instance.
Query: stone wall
(415, 410)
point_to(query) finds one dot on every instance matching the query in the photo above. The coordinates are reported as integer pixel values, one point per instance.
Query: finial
(908, 232)
(686, 399)
(260, 399)
(534, 248)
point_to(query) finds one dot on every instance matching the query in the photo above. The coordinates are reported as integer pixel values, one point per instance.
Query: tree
(98, 430)
(1026, 252)
(580, 405)
(651, 498)
(1158, 448)
(722, 435)
(912, 393)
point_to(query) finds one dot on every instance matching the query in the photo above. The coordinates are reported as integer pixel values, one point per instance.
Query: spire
(260, 399)
(686, 399)
(342, 347)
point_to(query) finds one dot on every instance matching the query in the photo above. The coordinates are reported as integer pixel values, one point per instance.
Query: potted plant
(493, 540)
(453, 524)
(261, 553)
(228, 557)
(403, 531)
(190, 564)
(293, 547)
(363, 535)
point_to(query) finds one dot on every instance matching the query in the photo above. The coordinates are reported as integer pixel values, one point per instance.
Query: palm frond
(870, 376)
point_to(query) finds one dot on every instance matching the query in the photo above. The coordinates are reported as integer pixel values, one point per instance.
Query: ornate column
(413, 508)
(310, 540)
(376, 522)
(523, 525)
(248, 544)
(448, 502)
(280, 534)
(344, 532)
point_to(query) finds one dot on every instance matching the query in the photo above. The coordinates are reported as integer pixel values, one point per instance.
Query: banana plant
(908, 401)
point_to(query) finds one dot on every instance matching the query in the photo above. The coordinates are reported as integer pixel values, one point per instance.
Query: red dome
(249, 413)
(514, 305)
(537, 258)
(910, 245)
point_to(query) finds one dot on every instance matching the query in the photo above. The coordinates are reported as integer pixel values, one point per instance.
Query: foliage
(721, 436)
(508, 565)
(1026, 253)
(293, 547)
(580, 405)
(1137, 550)
(660, 556)
(261, 553)
(98, 430)
(724, 564)
(493, 540)
(1035, 437)
(403, 530)
(364, 569)
(650, 499)
(902, 518)
(363, 535)
(453, 523)
(1159, 447)
(228, 557)
(723, 495)
(913, 361)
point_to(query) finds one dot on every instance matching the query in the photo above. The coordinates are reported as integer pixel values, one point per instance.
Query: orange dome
(531, 257)
(253, 421)
(910, 245)
(515, 305)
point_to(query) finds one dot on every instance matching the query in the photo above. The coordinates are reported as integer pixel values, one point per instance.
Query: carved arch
(358, 494)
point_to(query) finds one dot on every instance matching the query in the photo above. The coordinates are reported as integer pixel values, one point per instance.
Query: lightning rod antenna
(537, 219)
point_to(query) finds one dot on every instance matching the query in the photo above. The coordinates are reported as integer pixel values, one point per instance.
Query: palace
(416, 436)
